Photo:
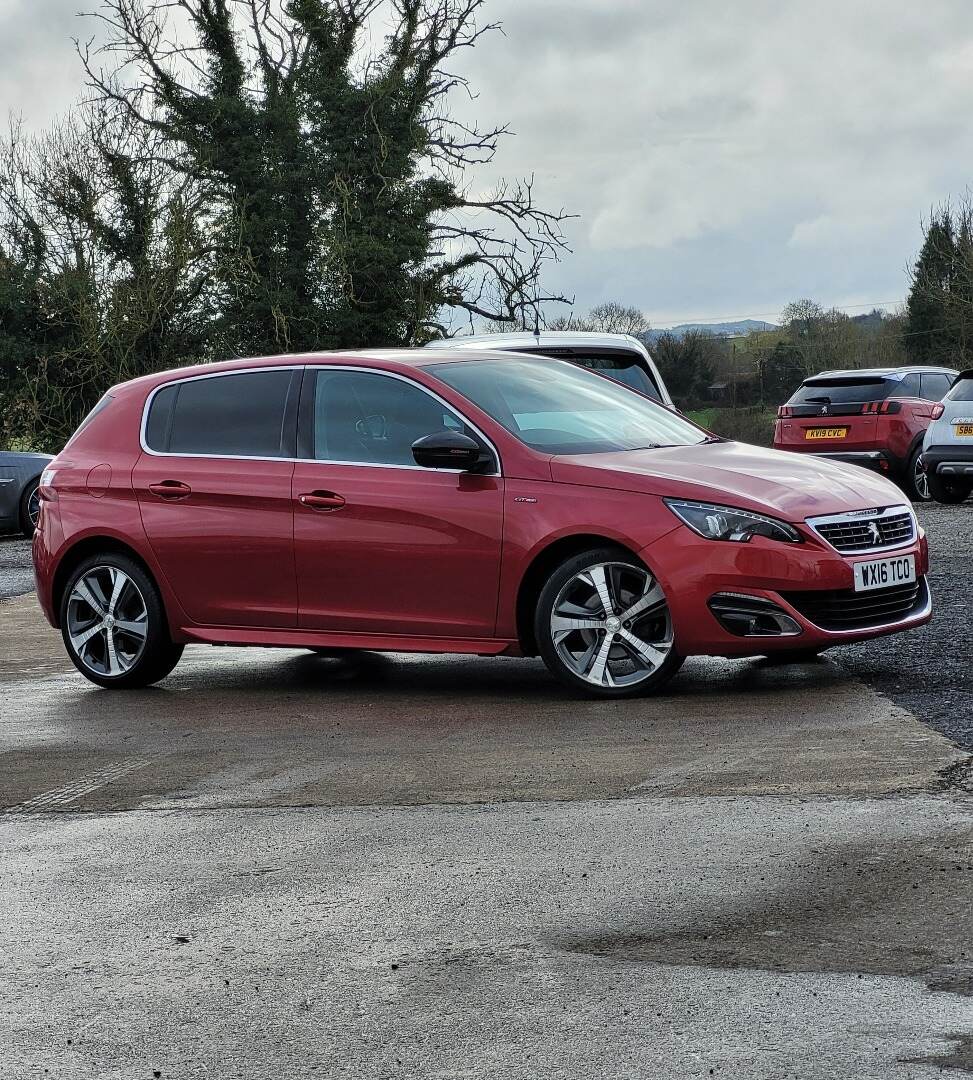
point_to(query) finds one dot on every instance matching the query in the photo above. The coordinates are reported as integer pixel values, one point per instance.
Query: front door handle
(321, 500)
(171, 490)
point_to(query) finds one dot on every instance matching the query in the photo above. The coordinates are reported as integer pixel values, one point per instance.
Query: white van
(618, 356)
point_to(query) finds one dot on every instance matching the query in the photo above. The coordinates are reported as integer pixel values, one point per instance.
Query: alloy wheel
(107, 621)
(34, 507)
(920, 479)
(611, 626)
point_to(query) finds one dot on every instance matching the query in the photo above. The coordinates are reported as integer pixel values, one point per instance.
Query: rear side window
(623, 367)
(934, 386)
(238, 415)
(843, 391)
(962, 389)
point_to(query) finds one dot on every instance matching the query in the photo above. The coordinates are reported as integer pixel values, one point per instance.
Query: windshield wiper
(715, 438)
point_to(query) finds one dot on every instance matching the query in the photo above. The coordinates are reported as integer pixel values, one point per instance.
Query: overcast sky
(724, 158)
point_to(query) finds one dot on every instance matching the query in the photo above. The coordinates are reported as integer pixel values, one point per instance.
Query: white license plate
(884, 573)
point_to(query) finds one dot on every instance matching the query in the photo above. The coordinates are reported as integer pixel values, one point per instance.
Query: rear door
(383, 545)
(214, 490)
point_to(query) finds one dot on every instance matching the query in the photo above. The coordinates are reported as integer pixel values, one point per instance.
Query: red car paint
(434, 561)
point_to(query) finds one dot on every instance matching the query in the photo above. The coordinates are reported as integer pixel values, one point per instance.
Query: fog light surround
(752, 616)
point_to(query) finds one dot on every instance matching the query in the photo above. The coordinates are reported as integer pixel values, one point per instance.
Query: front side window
(236, 415)
(558, 408)
(371, 419)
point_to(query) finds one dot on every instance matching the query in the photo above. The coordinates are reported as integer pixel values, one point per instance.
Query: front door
(214, 490)
(382, 545)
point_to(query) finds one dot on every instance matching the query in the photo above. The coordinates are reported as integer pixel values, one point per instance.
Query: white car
(618, 356)
(947, 450)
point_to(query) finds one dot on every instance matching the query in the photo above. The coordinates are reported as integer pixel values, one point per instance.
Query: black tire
(947, 490)
(158, 655)
(559, 580)
(915, 482)
(29, 494)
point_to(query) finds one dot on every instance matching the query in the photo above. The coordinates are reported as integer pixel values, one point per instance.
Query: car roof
(563, 339)
(417, 358)
(881, 372)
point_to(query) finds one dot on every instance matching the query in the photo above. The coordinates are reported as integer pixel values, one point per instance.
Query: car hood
(788, 485)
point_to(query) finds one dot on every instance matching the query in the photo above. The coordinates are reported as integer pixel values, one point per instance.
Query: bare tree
(608, 318)
(340, 181)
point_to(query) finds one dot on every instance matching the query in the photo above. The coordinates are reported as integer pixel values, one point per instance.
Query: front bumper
(949, 460)
(693, 570)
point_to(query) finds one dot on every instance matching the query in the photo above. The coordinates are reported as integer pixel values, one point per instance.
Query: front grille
(886, 529)
(845, 609)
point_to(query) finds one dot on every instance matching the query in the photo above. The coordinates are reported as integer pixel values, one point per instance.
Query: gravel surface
(930, 671)
(16, 572)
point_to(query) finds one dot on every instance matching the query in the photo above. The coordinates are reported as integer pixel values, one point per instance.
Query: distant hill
(721, 329)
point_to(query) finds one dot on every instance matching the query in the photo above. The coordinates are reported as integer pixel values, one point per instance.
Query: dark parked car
(20, 476)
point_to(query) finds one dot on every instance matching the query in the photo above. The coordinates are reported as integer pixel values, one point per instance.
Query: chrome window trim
(853, 516)
(311, 461)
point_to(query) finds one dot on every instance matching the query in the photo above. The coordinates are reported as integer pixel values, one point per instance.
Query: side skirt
(316, 639)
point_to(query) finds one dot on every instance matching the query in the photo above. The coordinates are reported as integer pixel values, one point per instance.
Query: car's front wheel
(603, 626)
(114, 624)
(946, 490)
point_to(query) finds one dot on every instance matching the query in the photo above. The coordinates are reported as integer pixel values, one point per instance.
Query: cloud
(724, 158)
(814, 136)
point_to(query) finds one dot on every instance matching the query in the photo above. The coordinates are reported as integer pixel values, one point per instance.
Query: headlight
(727, 523)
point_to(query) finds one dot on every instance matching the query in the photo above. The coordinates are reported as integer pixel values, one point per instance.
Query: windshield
(558, 408)
(841, 391)
(621, 365)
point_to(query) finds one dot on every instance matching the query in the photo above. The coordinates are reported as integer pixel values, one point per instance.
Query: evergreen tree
(930, 333)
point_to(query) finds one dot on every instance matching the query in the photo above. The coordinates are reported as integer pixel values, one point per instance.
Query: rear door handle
(321, 500)
(171, 490)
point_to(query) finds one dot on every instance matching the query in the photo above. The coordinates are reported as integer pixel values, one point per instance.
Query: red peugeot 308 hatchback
(454, 502)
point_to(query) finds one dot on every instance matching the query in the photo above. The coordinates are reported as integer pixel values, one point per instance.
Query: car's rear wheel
(916, 478)
(30, 508)
(947, 490)
(114, 624)
(603, 626)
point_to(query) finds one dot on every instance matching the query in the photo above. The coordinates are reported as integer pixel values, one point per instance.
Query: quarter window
(934, 386)
(374, 419)
(238, 415)
(908, 387)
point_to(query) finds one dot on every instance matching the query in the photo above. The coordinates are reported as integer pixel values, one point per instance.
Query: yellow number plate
(964, 429)
(825, 432)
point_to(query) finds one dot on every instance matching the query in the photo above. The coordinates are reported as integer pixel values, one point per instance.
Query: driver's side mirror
(448, 450)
